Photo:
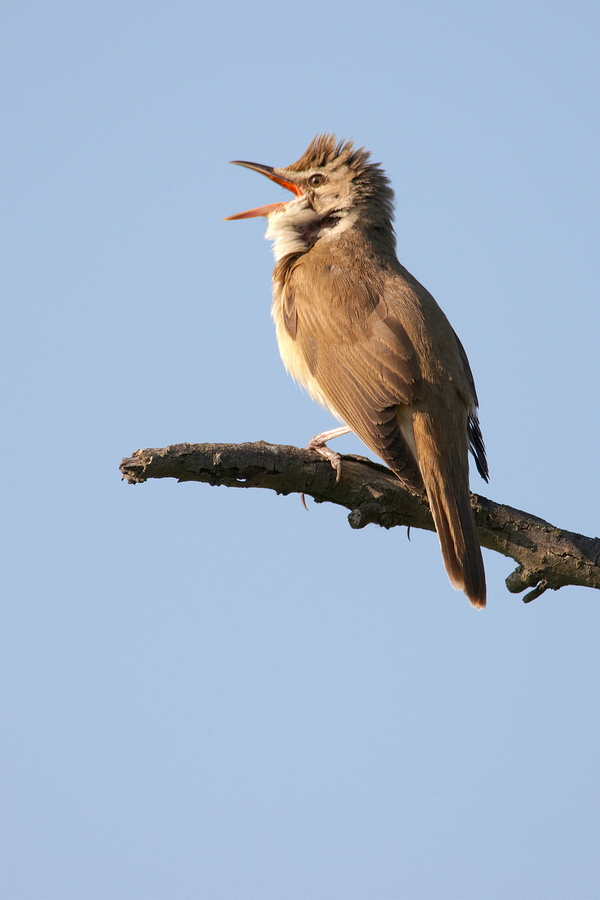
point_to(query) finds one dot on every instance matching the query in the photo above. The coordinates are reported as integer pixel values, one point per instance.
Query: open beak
(270, 207)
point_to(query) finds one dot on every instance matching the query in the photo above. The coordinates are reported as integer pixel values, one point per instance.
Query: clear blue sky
(211, 694)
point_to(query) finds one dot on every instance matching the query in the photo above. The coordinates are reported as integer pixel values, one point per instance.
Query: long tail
(443, 461)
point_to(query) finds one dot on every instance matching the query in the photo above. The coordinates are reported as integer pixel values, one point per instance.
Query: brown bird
(370, 343)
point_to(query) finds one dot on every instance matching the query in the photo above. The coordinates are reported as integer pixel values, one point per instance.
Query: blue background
(211, 694)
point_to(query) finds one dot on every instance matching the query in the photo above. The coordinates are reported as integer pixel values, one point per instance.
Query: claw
(336, 463)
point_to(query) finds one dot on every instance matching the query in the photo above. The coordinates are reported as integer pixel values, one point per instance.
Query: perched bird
(370, 343)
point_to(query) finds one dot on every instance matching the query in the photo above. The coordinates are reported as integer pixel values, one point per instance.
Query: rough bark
(547, 557)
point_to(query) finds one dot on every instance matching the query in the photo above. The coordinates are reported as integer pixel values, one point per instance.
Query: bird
(370, 343)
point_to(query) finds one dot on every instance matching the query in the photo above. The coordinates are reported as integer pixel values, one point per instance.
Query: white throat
(297, 227)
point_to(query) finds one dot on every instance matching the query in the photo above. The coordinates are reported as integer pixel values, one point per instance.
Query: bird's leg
(319, 443)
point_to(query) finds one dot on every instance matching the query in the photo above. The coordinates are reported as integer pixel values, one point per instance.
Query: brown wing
(358, 351)
(355, 343)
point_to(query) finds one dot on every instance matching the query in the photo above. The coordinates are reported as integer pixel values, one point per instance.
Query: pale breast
(293, 359)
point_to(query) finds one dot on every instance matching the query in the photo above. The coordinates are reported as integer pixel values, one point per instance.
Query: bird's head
(334, 186)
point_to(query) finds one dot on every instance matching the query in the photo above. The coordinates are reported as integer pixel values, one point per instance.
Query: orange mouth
(270, 207)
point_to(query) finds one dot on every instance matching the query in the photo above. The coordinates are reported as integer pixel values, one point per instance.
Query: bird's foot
(319, 443)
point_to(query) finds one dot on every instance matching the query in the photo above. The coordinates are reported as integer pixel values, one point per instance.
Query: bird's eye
(316, 180)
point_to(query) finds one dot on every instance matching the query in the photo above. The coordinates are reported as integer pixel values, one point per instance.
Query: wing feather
(361, 356)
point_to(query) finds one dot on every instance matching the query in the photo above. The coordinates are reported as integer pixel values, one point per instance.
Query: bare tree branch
(547, 557)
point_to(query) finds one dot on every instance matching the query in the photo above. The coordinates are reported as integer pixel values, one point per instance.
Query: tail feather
(444, 467)
(457, 534)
